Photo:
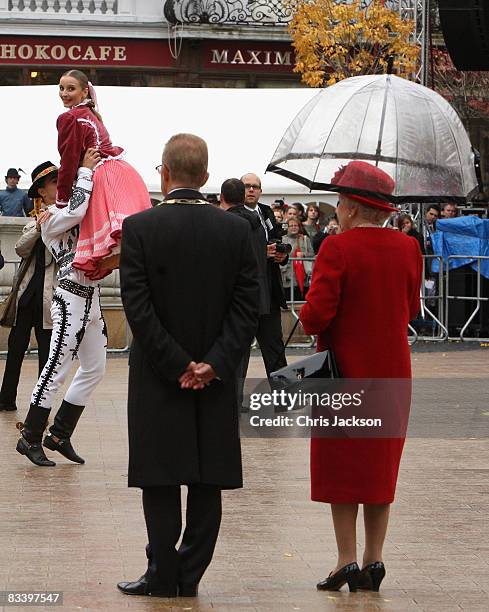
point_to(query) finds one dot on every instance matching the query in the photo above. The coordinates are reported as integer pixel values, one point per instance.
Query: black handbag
(318, 366)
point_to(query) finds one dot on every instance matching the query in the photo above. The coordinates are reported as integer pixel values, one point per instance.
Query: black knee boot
(31, 430)
(58, 438)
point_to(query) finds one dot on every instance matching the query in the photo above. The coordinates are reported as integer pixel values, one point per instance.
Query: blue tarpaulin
(462, 236)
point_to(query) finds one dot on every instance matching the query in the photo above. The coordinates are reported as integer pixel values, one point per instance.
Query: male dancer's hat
(39, 175)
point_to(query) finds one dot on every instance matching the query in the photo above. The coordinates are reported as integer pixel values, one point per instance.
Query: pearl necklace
(366, 225)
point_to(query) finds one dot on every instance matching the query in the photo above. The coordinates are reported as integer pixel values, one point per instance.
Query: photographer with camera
(331, 229)
(269, 332)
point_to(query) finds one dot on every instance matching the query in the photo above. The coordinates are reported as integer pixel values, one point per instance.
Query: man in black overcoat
(269, 331)
(232, 199)
(189, 289)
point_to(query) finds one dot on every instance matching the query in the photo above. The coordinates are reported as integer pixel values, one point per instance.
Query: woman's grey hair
(369, 214)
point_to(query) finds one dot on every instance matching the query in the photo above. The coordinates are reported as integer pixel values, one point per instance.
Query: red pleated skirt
(118, 192)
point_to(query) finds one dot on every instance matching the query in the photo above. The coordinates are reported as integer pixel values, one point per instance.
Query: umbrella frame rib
(405, 199)
(358, 156)
(382, 121)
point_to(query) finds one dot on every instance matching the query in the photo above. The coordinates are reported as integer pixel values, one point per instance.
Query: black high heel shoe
(348, 574)
(371, 576)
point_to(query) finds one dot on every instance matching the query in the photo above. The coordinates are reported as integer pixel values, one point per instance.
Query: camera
(281, 247)
(279, 231)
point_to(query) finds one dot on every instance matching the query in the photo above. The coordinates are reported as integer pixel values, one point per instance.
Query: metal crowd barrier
(479, 299)
(292, 303)
(432, 302)
(435, 297)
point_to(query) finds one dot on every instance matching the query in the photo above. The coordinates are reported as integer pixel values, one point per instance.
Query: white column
(50, 7)
(97, 7)
(126, 7)
(4, 5)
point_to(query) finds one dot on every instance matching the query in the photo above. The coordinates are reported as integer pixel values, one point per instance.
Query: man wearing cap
(33, 288)
(13, 201)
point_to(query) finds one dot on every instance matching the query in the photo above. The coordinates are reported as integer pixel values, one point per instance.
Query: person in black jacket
(232, 199)
(35, 290)
(187, 344)
(269, 333)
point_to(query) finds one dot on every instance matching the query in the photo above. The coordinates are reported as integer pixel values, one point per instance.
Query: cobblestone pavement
(80, 530)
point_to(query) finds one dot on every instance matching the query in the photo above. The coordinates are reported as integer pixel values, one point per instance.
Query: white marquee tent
(241, 126)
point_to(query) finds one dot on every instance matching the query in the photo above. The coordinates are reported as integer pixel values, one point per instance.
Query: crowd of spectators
(304, 228)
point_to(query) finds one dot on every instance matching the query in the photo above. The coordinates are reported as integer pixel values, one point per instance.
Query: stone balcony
(114, 18)
(79, 9)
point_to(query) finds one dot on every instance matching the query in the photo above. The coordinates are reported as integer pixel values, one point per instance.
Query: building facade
(176, 43)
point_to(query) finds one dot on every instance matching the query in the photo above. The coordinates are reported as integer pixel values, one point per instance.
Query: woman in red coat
(364, 291)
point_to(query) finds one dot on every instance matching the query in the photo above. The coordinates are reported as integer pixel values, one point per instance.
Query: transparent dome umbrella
(407, 130)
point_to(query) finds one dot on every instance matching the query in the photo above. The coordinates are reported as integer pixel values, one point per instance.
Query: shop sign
(252, 56)
(85, 52)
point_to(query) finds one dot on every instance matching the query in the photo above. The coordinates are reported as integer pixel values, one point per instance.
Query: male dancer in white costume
(78, 331)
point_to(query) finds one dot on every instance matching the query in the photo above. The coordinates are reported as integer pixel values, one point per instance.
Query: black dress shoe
(142, 587)
(9, 407)
(188, 590)
(348, 574)
(371, 576)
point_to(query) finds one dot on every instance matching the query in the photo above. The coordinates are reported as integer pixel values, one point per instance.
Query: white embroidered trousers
(79, 330)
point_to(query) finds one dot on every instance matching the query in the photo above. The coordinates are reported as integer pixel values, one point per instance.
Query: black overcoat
(259, 241)
(189, 289)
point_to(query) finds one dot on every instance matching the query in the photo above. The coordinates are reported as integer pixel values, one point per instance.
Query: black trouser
(269, 336)
(28, 317)
(168, 567)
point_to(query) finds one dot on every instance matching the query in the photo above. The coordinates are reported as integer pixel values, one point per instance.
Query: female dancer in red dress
(364, 291)
(118, 190)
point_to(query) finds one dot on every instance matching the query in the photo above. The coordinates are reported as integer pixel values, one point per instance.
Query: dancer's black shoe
(60, 432)
(31, 431)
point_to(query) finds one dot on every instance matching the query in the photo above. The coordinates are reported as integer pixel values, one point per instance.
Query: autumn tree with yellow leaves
(335, 39)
